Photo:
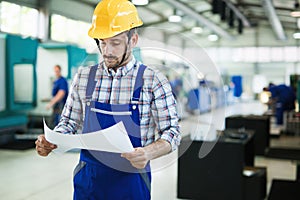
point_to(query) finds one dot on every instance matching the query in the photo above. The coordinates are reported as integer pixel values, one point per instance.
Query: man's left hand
(138, 158)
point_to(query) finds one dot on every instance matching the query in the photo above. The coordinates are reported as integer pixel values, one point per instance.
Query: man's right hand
(43, 147)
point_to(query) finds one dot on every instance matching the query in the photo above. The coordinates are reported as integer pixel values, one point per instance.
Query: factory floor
(26, 176)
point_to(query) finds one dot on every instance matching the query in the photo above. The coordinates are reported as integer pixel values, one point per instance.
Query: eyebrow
(112, 40)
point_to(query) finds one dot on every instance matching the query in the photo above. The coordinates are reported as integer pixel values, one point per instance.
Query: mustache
(110, 57)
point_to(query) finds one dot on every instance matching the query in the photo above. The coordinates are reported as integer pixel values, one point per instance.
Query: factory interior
(240, 139)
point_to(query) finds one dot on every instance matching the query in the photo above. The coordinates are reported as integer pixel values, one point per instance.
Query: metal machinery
(207, 97)
(69, 57)
(27, 77)
(17, 83)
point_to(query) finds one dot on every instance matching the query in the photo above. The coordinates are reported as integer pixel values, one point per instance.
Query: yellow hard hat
(112, 17)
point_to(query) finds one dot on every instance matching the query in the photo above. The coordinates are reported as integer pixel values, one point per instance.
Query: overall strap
(139, 81)
(91, 82)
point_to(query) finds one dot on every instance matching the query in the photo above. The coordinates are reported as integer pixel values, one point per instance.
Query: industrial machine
(18, 83)
(69, 57)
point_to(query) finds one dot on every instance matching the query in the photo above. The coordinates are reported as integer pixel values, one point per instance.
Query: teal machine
(69, 57)
(17, 83)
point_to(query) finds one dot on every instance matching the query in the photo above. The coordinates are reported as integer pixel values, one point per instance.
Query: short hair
(58, 66)
(131, 32)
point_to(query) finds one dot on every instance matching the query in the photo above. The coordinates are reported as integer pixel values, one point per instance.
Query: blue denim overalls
(104, 175)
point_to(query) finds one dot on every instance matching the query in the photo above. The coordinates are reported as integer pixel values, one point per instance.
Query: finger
(135, 153)
(137, 159)
(136, 156)
(42, 141)
(42, 151)
(139, 165)
(48, 148)
(45, 147)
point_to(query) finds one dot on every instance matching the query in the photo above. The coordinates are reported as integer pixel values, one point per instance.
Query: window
(58, 29)
(18, 19)
(67, 30)
(23, 93)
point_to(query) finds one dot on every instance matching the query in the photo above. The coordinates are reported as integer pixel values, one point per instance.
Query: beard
(111, 61)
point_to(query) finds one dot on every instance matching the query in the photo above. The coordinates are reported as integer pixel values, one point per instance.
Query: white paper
(113, 139)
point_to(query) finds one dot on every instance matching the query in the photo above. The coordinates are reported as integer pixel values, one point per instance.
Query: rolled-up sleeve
(164, 111)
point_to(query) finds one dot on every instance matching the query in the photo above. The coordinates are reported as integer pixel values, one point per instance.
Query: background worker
(176, 86)
(283, 97)
(118, 89)
(60, 93)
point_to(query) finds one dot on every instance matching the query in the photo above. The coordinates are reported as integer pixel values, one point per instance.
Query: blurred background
(220, 57)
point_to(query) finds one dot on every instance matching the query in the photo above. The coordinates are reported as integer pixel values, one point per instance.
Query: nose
(107, 49)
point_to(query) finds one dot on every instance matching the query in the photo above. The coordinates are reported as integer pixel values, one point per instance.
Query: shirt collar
(121, 71)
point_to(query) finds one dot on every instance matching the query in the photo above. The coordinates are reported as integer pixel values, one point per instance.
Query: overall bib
(105, 175)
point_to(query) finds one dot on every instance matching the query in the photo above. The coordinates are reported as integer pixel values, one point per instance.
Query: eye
(116, 43)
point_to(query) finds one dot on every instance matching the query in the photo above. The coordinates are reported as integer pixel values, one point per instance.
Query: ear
(134, 39)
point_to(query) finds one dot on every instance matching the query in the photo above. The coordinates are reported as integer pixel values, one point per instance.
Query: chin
(111, 64)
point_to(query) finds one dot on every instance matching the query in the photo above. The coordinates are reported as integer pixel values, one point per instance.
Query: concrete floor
(26, 176)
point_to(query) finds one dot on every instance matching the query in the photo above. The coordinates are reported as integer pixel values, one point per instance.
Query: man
(118, 89)
(60, 93)
(283, 97)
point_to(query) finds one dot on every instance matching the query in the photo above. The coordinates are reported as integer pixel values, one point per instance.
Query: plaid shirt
(157, 105)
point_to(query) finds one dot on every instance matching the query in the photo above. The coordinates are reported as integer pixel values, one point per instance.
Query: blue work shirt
(60, 84)
(284, 94)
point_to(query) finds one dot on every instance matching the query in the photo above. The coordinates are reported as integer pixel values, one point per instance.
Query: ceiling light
(296, 36)
(174, 18)
(212, 37)
(200, 76)
(197, 30)
(140, 2)
(295, 13)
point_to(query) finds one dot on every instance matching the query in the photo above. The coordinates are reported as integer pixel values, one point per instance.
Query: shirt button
(134, 107)
(88, 103)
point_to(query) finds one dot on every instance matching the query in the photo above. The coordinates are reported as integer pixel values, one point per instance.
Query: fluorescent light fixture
(200, 76)
(295, 13)
(174, 18)
(296, 36)
(212, 37)
(197, 30)
(140, 2)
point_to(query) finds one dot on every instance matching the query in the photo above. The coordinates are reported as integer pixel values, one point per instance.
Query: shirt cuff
(174, 140)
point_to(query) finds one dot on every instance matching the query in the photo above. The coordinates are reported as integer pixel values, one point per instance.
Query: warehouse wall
(72, 9)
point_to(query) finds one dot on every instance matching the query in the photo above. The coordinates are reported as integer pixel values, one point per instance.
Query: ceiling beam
(202, 20)
(238, 13)
(274, 19)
